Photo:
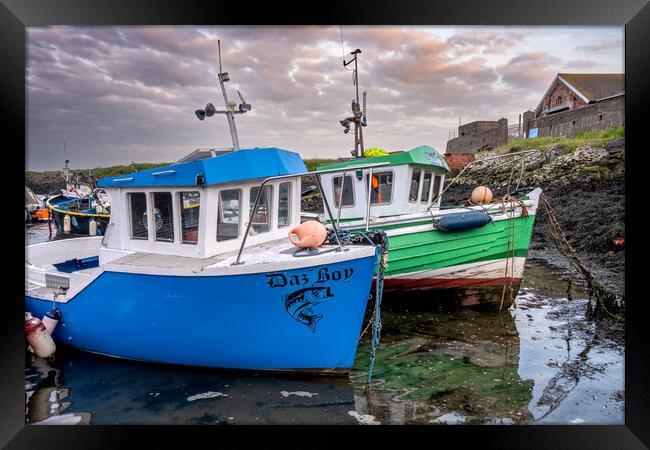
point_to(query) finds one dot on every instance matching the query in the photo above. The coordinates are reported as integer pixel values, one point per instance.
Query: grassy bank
(591, 138)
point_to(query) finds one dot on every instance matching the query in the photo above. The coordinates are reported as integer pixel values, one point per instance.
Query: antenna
(219, 45)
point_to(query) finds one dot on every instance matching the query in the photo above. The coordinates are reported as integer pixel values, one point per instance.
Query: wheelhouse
(202, 208)
(410, 183)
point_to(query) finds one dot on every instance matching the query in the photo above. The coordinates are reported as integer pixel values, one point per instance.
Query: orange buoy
(309, 234)
(481, 194)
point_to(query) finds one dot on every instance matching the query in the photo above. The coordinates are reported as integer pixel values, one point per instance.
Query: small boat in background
(35, 209)
(81, 208)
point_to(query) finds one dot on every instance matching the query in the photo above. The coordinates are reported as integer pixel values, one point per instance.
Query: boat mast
(223, 77)
(358, 117)
(66, 168)
(230, 110)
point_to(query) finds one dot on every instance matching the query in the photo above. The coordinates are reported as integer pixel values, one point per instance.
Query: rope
(595, 287)
(72, 213)
(379, 289)
(379, 239)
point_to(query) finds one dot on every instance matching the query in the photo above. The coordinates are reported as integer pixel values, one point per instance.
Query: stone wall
(484, 135)
(596, 116)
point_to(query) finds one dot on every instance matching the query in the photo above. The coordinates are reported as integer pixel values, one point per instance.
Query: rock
(552, 154)
(615, 146)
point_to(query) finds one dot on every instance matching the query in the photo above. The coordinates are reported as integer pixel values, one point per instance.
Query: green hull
(428, 250)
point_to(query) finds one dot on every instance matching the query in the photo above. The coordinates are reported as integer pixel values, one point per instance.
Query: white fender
(39, 340)
(50, 320)
(66, 223)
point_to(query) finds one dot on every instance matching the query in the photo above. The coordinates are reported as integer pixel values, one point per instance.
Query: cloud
(600, 46)
(122, 94)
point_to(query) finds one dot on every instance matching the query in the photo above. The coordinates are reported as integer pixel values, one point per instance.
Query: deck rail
(320, 186)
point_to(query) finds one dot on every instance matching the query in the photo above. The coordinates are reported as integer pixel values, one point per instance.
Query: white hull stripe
(493, 269)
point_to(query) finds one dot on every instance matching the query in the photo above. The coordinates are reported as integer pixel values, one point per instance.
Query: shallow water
(536, 362)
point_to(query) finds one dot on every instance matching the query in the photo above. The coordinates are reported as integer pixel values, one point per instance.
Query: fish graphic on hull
(299, 304)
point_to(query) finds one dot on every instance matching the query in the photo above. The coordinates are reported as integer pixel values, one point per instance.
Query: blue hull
(78, 224)
(297, 320)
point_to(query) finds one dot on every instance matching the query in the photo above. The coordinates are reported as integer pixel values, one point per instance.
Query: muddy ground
(592, 216)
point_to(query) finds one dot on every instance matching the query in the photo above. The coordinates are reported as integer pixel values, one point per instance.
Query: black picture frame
(15, 15)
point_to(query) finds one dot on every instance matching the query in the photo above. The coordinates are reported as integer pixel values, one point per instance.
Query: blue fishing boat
(81, 208)
(195, 268)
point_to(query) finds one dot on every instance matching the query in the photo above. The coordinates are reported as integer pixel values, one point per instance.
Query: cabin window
(381, 188)
(162, 211)
(436, 187)
(415, 185)
(261, 219)
(284, 202)
(426, 187)
(228, 215)
(190, 205)
(348, 191)
(138, 208)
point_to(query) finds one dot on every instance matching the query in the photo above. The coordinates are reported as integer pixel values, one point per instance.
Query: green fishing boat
(472, 251)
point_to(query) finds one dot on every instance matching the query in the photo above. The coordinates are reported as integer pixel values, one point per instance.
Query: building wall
(559, 90)
(477, 127)
(596, 116)
(485, 134)
(458, 161)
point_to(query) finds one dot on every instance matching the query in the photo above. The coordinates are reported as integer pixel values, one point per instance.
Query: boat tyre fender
(465, 220)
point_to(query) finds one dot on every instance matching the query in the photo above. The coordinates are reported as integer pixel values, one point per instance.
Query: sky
(117, 95)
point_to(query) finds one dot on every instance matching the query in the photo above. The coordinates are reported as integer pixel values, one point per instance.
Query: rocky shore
(585, 188)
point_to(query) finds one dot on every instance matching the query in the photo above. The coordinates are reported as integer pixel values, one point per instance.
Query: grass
(570, 144)
(603, 172)
(312, 164)
(101, 172)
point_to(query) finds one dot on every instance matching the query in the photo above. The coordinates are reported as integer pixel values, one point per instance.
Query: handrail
(320, 186)
(340, 207)
(73, 213)
(369, 197)
(479, 161)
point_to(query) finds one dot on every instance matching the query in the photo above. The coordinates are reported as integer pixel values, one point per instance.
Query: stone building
(472, 137)
(577, 102)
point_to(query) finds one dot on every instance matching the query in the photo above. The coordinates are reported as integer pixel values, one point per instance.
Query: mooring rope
(379, 239)
(379, 290)
(602, 294)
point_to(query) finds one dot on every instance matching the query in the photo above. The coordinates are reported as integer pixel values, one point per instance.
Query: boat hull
(79, 224)
(79, 221)
(303, 320)
(472, 266)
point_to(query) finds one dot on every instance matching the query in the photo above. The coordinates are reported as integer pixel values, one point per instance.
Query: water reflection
(538, 361)
(431, 364)
(106, 390)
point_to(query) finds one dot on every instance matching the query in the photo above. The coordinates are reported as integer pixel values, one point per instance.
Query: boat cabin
(201, 208)
(410, 183)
